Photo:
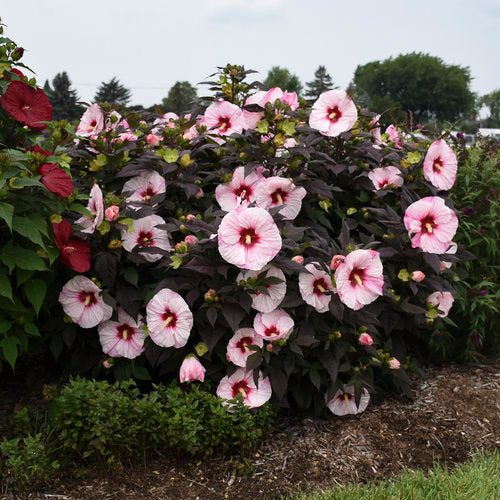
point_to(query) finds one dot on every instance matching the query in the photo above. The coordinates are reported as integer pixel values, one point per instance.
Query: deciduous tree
(282, 78)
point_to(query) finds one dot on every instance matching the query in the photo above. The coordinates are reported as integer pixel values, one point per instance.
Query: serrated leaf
(6, 213)
(414, 157)
(26, 228)
(35, 291)
(171, 155)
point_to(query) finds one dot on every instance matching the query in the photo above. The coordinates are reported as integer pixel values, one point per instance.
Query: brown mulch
(455, 413)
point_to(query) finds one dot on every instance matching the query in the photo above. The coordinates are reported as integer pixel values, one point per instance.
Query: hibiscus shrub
(34, 186)
(286, 252)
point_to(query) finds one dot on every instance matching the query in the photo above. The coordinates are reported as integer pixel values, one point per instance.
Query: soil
(454, 414)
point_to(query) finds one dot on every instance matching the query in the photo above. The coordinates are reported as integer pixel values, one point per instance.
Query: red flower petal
(27, 105)
(55, 179)
(75, 252)
(62, 233)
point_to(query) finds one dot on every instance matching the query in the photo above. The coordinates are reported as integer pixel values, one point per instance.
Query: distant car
(489, 132)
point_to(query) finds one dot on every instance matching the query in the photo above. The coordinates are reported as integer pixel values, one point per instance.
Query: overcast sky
(150, 44)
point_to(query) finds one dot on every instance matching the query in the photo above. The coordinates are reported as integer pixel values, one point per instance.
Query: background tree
(418, 83)
(321, 83)
(63, 98)
(179, 98)
(282, 78)
(492, 102)
(113, 92)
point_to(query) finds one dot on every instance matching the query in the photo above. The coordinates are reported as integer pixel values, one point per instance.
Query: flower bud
(417, 276)
(115, 243)
(112, 213)
(210, 295)
(191, 370)
(191, 239)
(199, 194)
(298, 259)
(190, 217)
(394, 364)
(336, 261)
(153, 140)
(365, 339)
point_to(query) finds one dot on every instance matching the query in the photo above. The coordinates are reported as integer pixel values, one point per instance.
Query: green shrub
(100, 421)
(28, 459)
(476, 195)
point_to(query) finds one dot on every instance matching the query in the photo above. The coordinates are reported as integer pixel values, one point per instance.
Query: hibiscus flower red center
(26, 107)
(345, 396)
(242, 388)
(243, 192)
(334, 114)
(169, 318)
(383, 184)
(248, 237)
(145, 239)
(271, 331)
(125, 332)
(68, 250)
(243, 344)
(357, 276)
(224, 124)
(93, 123)
(88, 298)
(320, 286)
(437, 165)
(279, 197)
(427, 224)
(148, 193)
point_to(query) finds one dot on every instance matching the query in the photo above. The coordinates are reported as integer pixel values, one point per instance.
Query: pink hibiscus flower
(96, 207)
(315, 287)
(166, 120)
(145, 234)
(440, 165)
(238, 347)
(431, 223)
(92, 122)
(169, 319)
(333, 113)
(386, 177)
(442, 301)
(241, 189)
(276, 191)
(273, 326)
(360, 278)
(275, 292)
(144, 186)
(249, 238)
(224, 118)
(242, 383)
(394, 137)
(191, 370)
(262, 97)
(81, 301)
(344, 403)
(122, 338)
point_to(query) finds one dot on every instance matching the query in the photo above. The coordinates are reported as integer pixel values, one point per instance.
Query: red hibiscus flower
(75, 252)
(55, 179)
(27, 105)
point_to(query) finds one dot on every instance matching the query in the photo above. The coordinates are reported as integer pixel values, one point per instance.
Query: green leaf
(23, 276)
(9, 349)
(32, 329)
(26, 228)
(26, 181)
(5, 287)
(414, 157)
(140, 373)
(53, 253)
(25, 259)
(5, 326)
(6, 213)
(80, 209)
(35, 291)
(262, 127)
(288, 127)
(40, 222)
(131, 275)
(171, 155)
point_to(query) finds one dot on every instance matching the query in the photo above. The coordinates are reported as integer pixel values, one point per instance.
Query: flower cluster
(263, 242)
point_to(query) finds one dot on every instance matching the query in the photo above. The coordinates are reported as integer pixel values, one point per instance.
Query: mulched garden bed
(455, 413)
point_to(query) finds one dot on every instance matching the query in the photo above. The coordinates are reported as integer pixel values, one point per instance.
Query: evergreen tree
(113, 92)
(63, 98)
(321, 83)
(179, 98)
(282, 78)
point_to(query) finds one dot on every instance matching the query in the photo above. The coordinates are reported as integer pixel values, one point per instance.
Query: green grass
(476, 480)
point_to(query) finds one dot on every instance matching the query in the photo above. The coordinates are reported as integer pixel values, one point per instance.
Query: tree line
(415, 87)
